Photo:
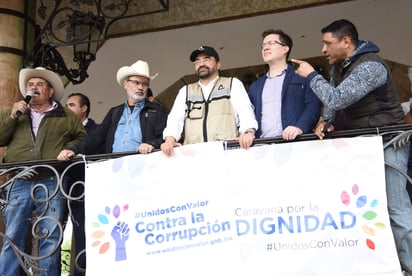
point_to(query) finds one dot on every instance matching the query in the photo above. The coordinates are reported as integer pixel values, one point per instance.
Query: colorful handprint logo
(369, 215)
(119, 232)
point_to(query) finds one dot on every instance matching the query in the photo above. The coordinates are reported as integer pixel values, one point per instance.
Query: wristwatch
(252, 132)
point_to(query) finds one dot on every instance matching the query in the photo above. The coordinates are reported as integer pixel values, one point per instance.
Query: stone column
(16, 36)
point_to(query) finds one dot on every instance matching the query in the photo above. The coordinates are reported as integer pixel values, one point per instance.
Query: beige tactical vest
(210, 120)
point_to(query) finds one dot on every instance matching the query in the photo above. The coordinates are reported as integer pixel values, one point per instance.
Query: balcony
(394, 135)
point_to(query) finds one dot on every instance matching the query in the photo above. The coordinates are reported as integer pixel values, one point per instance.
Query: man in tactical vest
(212, 109)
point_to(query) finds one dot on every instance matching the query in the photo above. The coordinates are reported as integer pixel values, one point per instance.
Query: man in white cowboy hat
(214, 108)
(36, 128)
(136, 125)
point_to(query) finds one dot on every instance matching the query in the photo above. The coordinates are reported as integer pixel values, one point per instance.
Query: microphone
(27, 100)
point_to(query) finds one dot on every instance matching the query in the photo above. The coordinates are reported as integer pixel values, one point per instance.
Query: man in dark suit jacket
(284, 103)
(80, 104)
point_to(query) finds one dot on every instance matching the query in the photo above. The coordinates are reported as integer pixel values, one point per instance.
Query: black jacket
(153, 120)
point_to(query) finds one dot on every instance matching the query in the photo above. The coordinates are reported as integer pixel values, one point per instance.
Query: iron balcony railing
(395, 136)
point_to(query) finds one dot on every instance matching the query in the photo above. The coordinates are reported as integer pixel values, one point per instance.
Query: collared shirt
(271, 125)
(245, 116)
(128, 136)
(36, 117)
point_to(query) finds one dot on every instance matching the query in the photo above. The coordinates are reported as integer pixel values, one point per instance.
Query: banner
(301, 208)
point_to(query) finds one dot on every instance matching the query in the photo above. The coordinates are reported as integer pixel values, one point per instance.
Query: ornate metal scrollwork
(81, 25)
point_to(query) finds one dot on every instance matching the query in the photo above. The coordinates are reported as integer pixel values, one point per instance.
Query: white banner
(301, 208)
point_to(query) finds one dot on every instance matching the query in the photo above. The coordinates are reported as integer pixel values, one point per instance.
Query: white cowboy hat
(139, 68)
(39, 72)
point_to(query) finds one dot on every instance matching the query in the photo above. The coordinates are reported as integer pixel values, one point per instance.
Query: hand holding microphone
(27, 99)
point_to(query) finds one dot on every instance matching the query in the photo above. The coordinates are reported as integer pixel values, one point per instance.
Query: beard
(204, 72)
(137, 96)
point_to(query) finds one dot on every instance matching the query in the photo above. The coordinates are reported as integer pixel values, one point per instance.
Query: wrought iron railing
(393, 136)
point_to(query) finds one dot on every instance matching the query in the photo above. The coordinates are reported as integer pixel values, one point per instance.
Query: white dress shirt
(242, 107)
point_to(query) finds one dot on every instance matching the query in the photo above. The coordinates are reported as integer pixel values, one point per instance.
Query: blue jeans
(399, 203)
(17, 216)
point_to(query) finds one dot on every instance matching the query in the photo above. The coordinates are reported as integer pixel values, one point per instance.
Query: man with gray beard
(136, 125)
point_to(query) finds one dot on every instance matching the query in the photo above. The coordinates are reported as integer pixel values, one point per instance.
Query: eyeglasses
(205, 60)
(271, 43)
(136, 83)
